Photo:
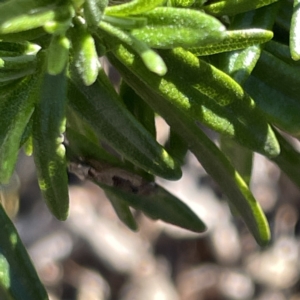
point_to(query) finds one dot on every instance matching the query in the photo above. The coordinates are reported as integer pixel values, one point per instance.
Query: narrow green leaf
(234, 40)
(177, 146)
(4, 279)
(284, 17)
(17, 15)
(15, 112)
(17, 62)
(48, 151)
(57, 54)
(240, 157)
(288, 160)
(133, 7)
(278, 74)
(295, 31)
(205, 78)
(27, 133)
(18, 48)
(27, 35)
(125, 22)
(150, 58)
(85, 57)
(88, 150)
(104, 111)
(239, 64)
(142, 112)
(281, 51)
(268, 84)
(233, 7)
(93, 12)
(121, 208)
(18, 277)
(138, 107)
(169, 27)
(207, 153)
(279, 109)
(181, 3)
(6, 76)
(157, 203)
(240, 120)
(77, 124)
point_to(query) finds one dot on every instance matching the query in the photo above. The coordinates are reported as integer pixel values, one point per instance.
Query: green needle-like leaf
(48, 151)
(230, 181)
(169, 27)
(234, 7)
(104, 111)
(158, 203)
(240, 157)
(234, 40)
(150, 58)
(121, 208)
(295, 31)
(239, 64)
(138, 107)
(15, 111)
(134, 7)
(85, 57)
(267, 84)
(18, 278)
(18, 15)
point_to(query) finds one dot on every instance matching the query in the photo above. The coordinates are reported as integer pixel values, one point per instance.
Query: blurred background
(93, 256)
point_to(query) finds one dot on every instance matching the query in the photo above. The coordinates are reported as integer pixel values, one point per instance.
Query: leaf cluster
(226, 65)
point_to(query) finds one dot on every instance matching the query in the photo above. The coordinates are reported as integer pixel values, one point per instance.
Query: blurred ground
(92, 256)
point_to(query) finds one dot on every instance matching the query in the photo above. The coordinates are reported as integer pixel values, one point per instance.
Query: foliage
(226, 65)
